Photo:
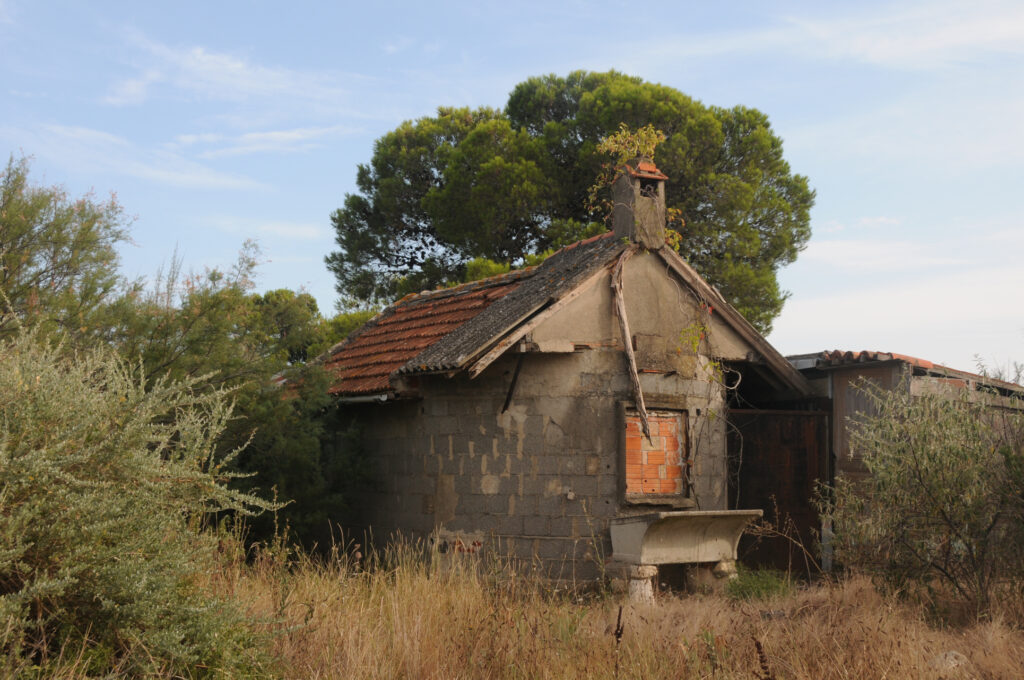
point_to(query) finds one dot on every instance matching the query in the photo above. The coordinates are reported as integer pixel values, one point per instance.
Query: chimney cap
(644, 168)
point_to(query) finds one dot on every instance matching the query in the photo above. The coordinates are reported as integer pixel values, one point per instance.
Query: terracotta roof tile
(438, 330)
(446, 330)
(646, 170)
(550, 280)
(844, 358)
(364, 361)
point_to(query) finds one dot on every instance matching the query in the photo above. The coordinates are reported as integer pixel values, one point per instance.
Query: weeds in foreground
(405, 613)
(758, 584)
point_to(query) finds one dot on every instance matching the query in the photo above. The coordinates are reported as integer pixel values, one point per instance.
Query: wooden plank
(620, 311)
(512, 386)
(518, 334)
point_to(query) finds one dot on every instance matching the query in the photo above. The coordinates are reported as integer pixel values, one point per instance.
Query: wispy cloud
(974, 121)
(200, 73)
(270, 141)
(303, 231)
(1003, 240)
(307, 232)
(876, 256)
(878, 222)
(858, 225)
(132, 90)
(398, 44)
(926, 35)
(946, 318)
(90, 151)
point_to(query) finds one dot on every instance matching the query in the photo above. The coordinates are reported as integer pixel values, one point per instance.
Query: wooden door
(776, 461)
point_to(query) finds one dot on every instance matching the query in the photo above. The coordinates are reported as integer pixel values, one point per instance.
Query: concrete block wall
(540, 480)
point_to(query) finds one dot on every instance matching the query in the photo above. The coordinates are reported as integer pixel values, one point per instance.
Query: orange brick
(651, 486)
(671, 443)
(634, 442)
(633, 471)
(633, 425)
(655, 443)
(654, 457)
(652, 471)
(673, 472)
(671, 486)
(634, 458)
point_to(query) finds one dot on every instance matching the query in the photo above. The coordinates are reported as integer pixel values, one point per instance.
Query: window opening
(657, 467)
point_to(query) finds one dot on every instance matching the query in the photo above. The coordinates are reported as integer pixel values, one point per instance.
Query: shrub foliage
(58, 257)
(104, 483)
(944, 504)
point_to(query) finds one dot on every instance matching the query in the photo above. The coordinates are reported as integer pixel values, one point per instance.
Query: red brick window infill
(656, 467)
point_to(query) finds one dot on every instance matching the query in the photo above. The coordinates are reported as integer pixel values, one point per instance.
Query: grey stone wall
(538, 482)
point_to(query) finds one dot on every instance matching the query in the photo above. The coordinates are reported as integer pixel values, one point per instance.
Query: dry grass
(409, 618)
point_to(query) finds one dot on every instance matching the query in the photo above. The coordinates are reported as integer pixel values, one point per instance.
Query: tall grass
(405, 615)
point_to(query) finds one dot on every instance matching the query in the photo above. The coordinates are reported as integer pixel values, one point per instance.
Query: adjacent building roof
(837, 358)
(446, 330)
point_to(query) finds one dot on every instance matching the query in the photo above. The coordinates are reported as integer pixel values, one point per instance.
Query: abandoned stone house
(607, 403)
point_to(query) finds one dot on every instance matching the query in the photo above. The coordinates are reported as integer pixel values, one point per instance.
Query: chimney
(638, 197)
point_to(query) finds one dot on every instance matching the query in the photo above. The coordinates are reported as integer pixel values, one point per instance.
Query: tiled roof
(447, 330)
(554, 277)
(365, 360)
(444, 329)
(839, 357)
(646, 170)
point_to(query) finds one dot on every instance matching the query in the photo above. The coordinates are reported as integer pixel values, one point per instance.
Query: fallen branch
(627, 339)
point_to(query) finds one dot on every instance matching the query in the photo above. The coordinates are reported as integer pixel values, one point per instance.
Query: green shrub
(943, 507)
(104, 485)
(758, 584)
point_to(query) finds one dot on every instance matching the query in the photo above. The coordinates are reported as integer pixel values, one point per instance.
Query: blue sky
(219, 121)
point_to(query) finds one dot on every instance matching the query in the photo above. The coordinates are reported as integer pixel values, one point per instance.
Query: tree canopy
(479, 183)
(59, 279)
(58, 263)
(213, 329)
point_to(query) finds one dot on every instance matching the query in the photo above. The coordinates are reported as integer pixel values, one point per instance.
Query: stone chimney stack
(638, 196)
